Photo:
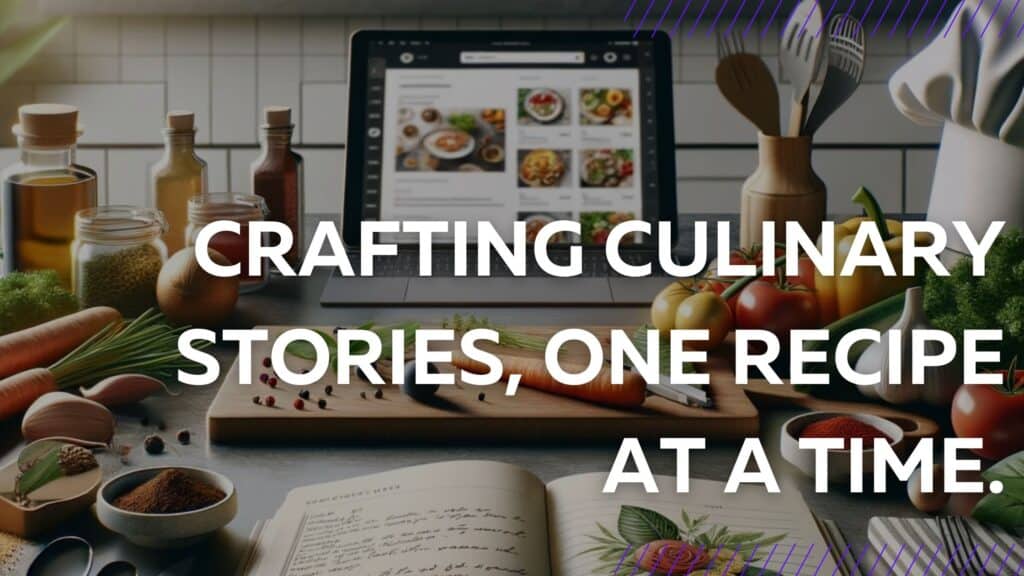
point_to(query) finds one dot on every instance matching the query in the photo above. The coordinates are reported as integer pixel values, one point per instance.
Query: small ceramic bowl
(838, 460)
(165, 530)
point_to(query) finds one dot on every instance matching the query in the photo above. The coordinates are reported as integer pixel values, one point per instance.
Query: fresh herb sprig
(506, 337)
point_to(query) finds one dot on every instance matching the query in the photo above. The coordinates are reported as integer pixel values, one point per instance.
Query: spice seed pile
(169, 492)
(125, 280)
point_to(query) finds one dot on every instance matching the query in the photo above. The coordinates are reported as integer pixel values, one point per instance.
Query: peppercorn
(154, 444)
(256, 400)
(329, 390)
(272, 382)
(298, 404)
(378, 394)
(270, 401)
(264, 377)
(321, 403)
(304, 394)
(362, 395)
(481, 396)
(184, 436)
(266, 362)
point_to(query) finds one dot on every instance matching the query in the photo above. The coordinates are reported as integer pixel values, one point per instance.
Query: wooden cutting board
(459, 414)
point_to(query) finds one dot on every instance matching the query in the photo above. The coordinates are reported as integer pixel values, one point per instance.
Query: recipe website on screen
(504, 135)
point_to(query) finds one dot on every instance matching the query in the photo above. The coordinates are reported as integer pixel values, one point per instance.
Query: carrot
(630, 394)
(18, 392)
(46, 343)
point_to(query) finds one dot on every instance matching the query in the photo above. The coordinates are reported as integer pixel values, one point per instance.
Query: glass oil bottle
(43, 191)
(177, 177)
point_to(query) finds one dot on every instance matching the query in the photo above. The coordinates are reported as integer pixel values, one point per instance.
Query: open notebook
(470, 518)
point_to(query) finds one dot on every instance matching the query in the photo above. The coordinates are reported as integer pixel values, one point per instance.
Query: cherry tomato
(776, 307)
(666, 303)
(741, 256)
(705, 311)
(993, 413)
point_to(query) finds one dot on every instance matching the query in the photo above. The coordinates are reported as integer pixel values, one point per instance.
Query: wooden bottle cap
(48, 124)
(181, 120)
(277, 117)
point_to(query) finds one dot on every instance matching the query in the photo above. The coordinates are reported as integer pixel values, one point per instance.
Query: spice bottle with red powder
(241, 208)
(845, 427)
(276, 175)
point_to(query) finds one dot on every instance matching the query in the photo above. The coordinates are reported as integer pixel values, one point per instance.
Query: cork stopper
(181, 121)
(277, 117)
(47, 124)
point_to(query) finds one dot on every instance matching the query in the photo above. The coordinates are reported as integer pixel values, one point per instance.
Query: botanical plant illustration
(647, 542)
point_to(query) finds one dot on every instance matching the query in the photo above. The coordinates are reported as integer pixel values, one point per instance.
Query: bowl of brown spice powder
(166, 506)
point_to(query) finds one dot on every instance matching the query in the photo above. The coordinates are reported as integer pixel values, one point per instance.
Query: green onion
(506, 337)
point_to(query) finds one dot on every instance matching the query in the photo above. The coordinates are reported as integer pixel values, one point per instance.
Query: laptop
(504, 127)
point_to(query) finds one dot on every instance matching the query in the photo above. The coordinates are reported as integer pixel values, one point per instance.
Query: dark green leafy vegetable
(962, 301)
(31, 298)
(1006, 509)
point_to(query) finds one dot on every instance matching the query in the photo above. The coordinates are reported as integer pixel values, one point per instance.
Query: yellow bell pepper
(840, 296)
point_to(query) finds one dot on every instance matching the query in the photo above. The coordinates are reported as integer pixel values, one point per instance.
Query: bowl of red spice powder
(166, 506)
(845, 426)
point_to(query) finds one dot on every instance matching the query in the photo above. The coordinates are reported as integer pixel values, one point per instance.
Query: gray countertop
(264, 474)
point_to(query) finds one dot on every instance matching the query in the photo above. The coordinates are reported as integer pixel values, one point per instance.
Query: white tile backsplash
(142, 36)
(278, 83)
(188, 88)
(112, 113)
(97, 36)
(188, 35)
(233, 35)
(233, 106)
(279, 36)
(325, 108)
(225, 68)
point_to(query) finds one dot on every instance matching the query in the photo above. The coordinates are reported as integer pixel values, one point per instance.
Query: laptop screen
(502, 130)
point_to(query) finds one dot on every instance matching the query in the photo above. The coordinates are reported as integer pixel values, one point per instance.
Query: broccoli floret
(31, 298)
(962, 301)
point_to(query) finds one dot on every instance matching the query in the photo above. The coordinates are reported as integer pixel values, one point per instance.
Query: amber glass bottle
(177, 177)
(43, 191)
(277, 174)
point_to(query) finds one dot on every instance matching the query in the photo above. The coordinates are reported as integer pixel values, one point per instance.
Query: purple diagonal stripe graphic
(714, 23)
(914, 559)
(661, 18)
(771, 19)
(1009, 18)
(636, 565)
(725, 570)
(935, 19)
(824, 21)
(924, 6)
(757, 11)
(864, 16)
(753, 553)
(629, 11)
(735, 16)
(693, 563)
(828, 553)
(988, 22)
(970, 22)
(786, 559)
(679, 18)
(896, 559)
(860, 558)
(849, 9)
(803, 562)
(885, 12)
(877, 558)
(622, 559)
(952, 19)
(643, 18)
(807, 20)
(899, 19)
(715, 557)
(934, 557)
(767, 560)
(950, 561)
(991, 551)
(1005, 558)
(970, 558)
(700, 16)
(839, 562)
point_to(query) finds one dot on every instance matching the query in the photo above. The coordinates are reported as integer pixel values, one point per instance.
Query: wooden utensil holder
(783, 188)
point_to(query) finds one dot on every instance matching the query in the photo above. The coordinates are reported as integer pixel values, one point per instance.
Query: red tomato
(994, 414)
(718, 283)
(777, 308)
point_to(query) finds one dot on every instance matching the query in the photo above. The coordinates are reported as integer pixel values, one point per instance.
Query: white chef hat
(970, 78)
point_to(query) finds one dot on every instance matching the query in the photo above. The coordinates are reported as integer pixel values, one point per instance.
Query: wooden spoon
(747, 84)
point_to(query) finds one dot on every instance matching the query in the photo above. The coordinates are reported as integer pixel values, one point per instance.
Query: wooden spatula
(747, 84)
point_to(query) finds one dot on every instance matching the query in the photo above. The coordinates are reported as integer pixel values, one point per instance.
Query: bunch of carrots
(81, 349)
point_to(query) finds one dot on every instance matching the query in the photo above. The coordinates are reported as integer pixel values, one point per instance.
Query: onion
(187, 294)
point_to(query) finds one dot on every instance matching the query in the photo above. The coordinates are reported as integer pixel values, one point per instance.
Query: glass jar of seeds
(117, 256)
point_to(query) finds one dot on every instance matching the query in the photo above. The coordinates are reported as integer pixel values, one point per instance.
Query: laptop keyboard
(406, 264)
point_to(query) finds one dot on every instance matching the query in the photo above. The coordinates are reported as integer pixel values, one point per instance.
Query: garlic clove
(123, 389)
(67, 415)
